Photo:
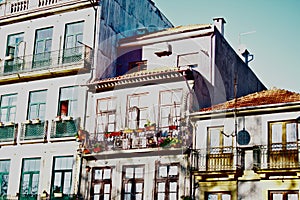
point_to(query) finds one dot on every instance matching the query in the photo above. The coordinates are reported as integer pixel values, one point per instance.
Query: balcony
(276, 157)
(68, 61)
(143, 138)
(8, 133)
(217, 161)
(63, 128)
(28, 8)
(34, 130)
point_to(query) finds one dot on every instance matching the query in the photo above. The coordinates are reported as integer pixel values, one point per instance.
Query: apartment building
(138, 134)
(248, 148)
(49, 51)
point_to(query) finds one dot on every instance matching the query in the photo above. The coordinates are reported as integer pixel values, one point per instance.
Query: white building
(49, 50)
(248, 148)
(138, 128)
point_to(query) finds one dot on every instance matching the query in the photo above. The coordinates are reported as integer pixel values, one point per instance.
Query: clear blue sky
(275, 41)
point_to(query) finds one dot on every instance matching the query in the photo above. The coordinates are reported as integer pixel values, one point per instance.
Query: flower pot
(172, 127)
(86, 151)
(96, 149)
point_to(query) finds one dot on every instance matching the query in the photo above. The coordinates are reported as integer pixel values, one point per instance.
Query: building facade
(138, 134)
(247, 148)
(49, 51)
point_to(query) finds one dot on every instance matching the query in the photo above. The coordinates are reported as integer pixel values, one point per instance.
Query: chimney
(219, 23)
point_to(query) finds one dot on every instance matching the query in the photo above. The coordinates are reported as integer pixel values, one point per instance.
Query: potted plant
(97, 148)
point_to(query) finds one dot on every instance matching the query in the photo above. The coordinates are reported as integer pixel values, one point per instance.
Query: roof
(162, 73)
(265, 97)
(169, 31)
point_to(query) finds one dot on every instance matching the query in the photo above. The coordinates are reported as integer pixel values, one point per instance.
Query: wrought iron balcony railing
(8, 133)
(217, 159)
(65, 128)
(33, 131)
(276, 156)
(80, 57)
(134, 139)
(26, 6)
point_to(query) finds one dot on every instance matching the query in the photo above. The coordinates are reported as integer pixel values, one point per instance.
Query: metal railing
(217, 159)
(31, 131)
(65, 128)
(21, 6)
(276, 156)
(8, 133)
(81, 56)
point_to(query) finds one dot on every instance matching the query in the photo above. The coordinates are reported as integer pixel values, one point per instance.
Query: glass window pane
(128, 187)
(139, 187)
(291, 132)
(106, 188)
(173, 187)
(106, 173)
(173, 171)
(67, 183)
(172, 196)
(139, 172)
(226, 197)
(292, 197)
(212, 197)
(276, 133)
(161, 187)
(129, 173)
(161, 196)
(98, 175)
(163, 171)
(215, 137)
(138, 197)
(277, 196)
(106, 196)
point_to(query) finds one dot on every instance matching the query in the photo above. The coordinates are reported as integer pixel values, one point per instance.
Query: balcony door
(13, 62)
(220, 151)
(283, 147)
(42, 49)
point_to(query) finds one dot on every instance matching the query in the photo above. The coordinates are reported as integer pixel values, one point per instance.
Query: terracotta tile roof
(265, 97)
(139, 74)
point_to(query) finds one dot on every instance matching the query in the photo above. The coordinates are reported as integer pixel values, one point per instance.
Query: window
(218, 196)
(101, 182)
(8, 107)
(62, 176)
(133, 182)
(283, 195)
(137, 66)
(283, 135)
(37, 105)
(283, 145)
(4, 174)
(13, 63)
(166, 183)
(137, 110)
(42, 49)
(106, 115)
(217, 139)
(170, 103)
(30, 178)
(73, 42)
(68, 101)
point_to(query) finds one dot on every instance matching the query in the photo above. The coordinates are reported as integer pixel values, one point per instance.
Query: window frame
(220, 193)
(2, 174)
(167, 180)
(38, 116)
(12, 49)
(31, 174)
(132, 180)
(106, 113)
(283, 192)
(9, 107)
(139, 121)
(174, 105)
(63, 173)
(44, 56)
(70, 101)
(102, 182)
(283, 144)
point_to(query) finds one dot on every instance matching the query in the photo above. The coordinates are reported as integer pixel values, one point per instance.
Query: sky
(270, 30)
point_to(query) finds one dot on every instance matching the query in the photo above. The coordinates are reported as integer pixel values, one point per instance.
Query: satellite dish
(243, 137)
